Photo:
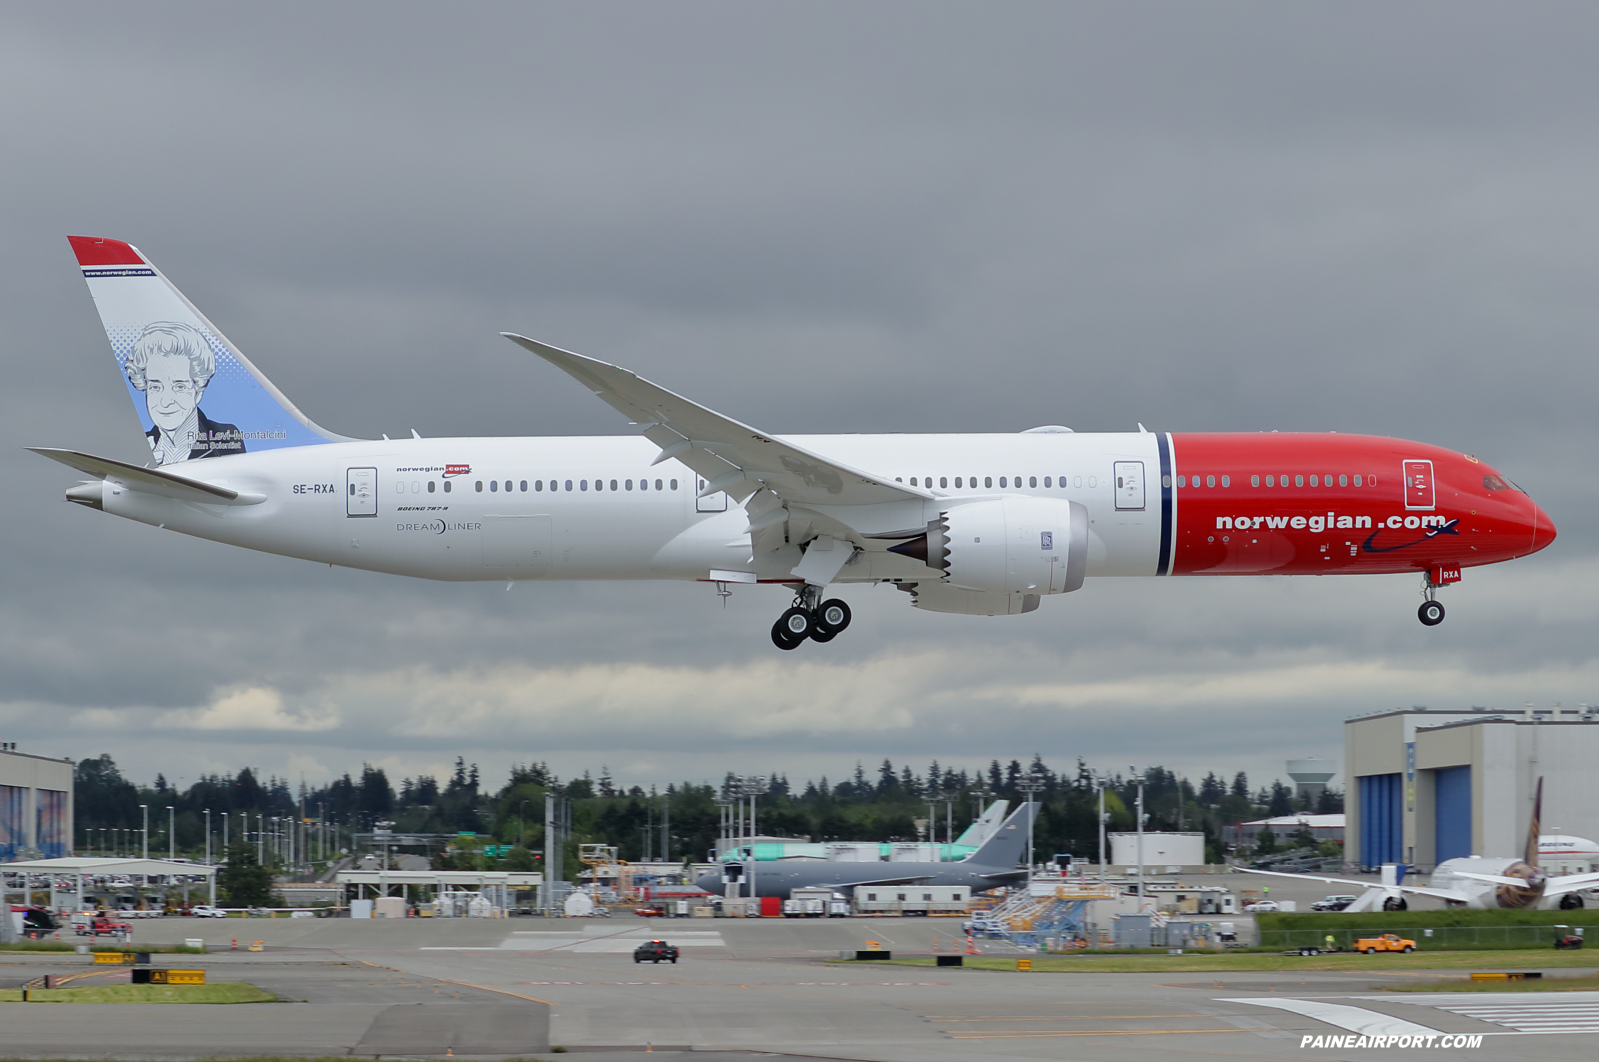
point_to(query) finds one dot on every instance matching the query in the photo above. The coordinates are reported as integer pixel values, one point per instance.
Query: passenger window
(1254, 481)
(431, 486)
(1077, 481)
(914, 483)
(494, 486)
(988, 481)
(1494, 483)
(568, 484)
(1357, 481)
(1312, 481)
(957, 481)
(1032, 481)
(1001, 481)
(446, 486)
(1226, 481)
(524, 486)
(1047, 483)
(538, 485)
(658, 484)
(628, 484)
(897, 479)
(1371, 481)
(1210, 481)
(1270, 481)
(480, 486)
(943, 481)
(1092, 482)
(1182, 481)
(613, 484)
(1343, 481)
(1299, 481)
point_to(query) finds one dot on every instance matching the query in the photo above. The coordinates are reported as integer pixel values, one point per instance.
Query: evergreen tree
(1241, 786)
(244, 882)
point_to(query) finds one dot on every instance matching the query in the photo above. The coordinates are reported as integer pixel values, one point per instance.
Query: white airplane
(973, 524)
(1474, 881)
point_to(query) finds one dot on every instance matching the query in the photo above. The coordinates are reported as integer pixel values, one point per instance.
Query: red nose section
(1543, 529)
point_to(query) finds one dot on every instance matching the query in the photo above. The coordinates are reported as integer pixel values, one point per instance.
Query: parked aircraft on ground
(979, 524)
(1476, 881)
(996, 862)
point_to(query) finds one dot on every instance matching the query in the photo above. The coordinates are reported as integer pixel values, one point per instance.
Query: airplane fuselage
(595, 508)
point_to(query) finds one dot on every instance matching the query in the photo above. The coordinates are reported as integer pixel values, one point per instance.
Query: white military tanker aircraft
(975, 524)
(1476, 881)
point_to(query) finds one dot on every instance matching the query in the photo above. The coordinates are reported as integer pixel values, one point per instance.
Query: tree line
(680, 821)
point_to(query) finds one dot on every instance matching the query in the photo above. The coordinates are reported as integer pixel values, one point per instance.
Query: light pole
(145, 808)
(207, 836)
(172, 841)
(1134, 769)
(752, 787)
(1099, 783)
(1030, 784)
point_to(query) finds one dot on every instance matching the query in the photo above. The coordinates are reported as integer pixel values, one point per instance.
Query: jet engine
(1007, 545)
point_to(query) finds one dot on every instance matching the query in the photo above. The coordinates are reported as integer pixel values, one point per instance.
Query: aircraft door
(1419, 485)
(1129, 484)
(711, 503)
(361, 492)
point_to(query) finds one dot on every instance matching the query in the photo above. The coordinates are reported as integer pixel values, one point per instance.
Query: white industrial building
(35, 806)
(1161, 850)
(1426, 786)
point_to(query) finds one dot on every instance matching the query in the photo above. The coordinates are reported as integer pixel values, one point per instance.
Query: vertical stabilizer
(1008, 846)
(985, 825)
(1530, 856)
(196, 394)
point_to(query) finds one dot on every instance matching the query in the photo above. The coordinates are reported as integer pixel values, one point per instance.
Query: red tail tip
(96, 251)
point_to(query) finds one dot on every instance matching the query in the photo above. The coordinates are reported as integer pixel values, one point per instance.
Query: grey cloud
(828, 218)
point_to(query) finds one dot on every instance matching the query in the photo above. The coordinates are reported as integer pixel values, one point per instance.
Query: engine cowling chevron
(1010, 544)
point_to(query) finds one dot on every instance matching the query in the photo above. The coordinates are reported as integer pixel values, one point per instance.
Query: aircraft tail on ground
(1530, 856)
(196, 394)
(1008, 846)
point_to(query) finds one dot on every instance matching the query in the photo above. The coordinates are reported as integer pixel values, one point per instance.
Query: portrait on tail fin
(172, 363)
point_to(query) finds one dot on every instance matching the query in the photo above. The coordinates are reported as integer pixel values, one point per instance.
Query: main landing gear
(820, 621)
(1431, 611)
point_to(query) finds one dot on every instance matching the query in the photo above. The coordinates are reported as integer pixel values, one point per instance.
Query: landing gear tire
(781, 639)
(832, 617)
(818, 634)
(1431, 613)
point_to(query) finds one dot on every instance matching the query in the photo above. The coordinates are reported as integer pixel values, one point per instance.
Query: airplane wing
(149, 480)
(1493, 879)
(1564, 883)
(732, 457)
(1419, 890)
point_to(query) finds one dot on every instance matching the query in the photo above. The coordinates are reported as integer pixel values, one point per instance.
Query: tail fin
(1008, 846)
(1530, 856)
(173, 360)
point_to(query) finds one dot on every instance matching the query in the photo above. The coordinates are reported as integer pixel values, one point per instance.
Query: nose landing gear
(1431, 612)
(820, 622)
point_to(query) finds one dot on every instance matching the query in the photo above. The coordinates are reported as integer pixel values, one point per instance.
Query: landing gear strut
(810, 617)
(1431, 612)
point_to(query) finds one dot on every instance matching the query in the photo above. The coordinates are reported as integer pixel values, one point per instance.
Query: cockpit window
(1494, 483)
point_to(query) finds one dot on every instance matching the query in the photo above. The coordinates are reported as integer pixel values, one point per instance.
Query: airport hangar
(1429, 785)
(35, 805)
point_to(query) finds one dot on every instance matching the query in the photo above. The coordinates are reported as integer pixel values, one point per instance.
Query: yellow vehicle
(1386, 942)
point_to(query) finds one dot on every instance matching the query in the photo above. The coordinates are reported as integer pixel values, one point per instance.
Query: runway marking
(1355, 1019)
(763, 984)
(1063, 1017)
(1570, 1012)
(1039, 1034)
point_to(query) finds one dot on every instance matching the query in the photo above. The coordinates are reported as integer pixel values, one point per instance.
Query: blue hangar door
(1452, 821)
(1381, 821)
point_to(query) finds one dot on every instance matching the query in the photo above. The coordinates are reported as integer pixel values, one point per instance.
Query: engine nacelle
(1007, 545)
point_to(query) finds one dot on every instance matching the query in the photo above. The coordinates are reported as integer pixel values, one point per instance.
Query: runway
(750, 989)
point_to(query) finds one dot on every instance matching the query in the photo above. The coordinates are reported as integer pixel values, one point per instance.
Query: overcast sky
(813, 217)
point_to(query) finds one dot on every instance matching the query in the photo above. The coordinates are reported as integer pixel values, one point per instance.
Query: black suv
(655, 951)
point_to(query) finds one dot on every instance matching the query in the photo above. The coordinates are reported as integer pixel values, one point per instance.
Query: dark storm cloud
(817, 218)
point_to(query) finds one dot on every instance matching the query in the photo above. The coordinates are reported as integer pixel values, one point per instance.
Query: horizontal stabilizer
(149, 480)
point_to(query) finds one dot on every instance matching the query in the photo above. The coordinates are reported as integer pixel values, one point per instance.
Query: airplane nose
(1543, 528)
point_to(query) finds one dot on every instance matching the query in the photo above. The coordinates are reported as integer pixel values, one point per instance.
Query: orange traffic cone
(971, 948)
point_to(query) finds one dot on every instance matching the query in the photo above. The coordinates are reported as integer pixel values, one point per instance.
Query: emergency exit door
(711, 503)
(1418, 485)
(361, 492)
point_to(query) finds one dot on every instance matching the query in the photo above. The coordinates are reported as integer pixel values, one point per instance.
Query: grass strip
(64, 946)
(227, 992)
(1223, 962)
(1556, 984)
